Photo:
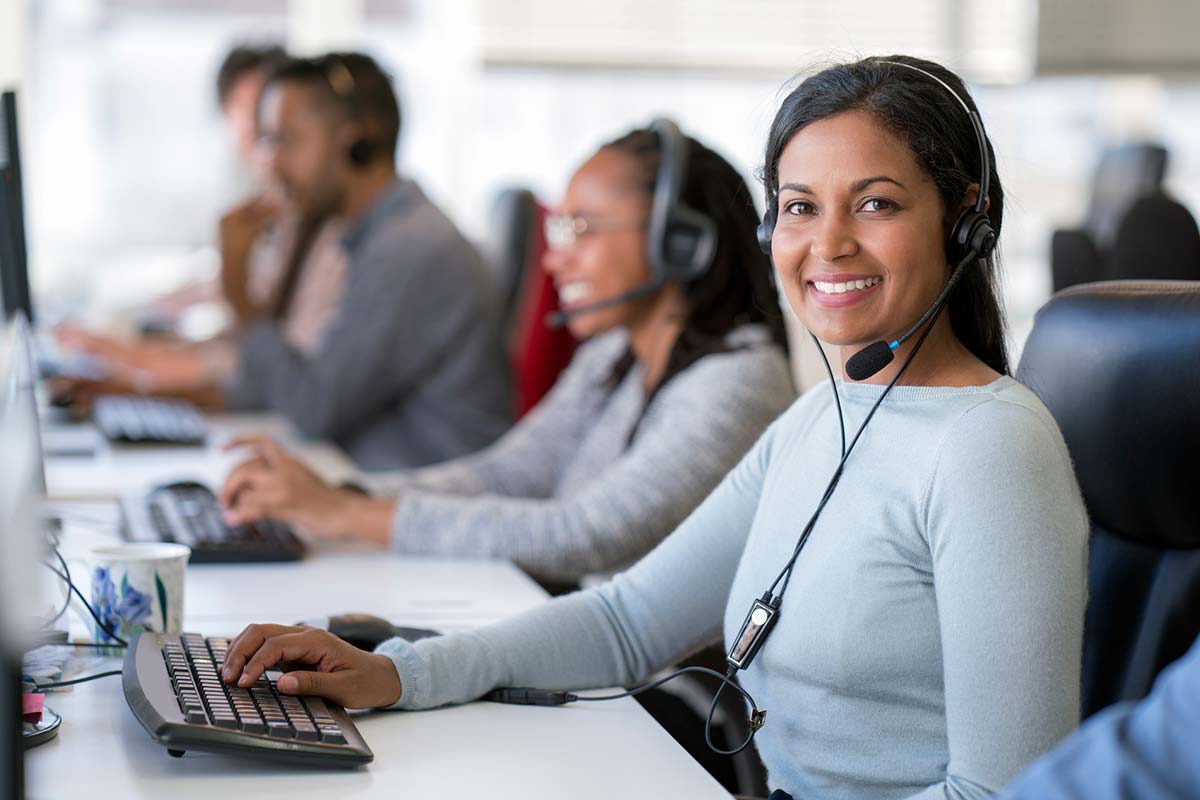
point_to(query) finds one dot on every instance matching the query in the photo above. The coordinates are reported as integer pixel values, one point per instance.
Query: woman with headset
(897, 566)
(656, 263)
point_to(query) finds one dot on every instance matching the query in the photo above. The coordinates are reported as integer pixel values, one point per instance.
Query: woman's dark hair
(940, 135)
(737, 288)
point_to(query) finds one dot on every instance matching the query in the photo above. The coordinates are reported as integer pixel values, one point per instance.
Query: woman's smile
(840, 291)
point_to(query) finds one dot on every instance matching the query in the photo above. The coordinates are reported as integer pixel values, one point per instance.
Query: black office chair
(510, 236)
(1123, 175)
(1118, 365)
(1157, 240)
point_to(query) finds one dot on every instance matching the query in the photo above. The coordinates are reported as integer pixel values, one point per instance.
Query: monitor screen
(14, 271)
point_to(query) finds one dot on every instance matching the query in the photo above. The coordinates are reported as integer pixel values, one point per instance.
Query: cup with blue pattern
(137, 587)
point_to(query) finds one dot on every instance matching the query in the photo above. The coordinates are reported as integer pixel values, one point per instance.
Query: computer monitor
(14, 271)
(12, 755)
(22, 491)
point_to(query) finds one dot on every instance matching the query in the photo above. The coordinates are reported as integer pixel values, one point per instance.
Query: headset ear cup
(766, 229)
(764, 237)
(360, 153)
(983, 238)
(689, 243)
(972, 232)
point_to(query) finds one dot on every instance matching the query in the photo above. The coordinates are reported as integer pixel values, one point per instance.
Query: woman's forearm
(367, 517)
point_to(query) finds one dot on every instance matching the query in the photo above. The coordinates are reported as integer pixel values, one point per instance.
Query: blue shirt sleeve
(1132, 751)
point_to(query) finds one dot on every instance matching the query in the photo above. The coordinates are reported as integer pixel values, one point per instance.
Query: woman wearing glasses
(671, 387)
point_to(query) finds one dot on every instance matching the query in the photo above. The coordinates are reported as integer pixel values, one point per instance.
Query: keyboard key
(267, 703)
(279, 729)
(306, 732)
(196, 715)
(317, 708)
(253, 725)
(331, 734)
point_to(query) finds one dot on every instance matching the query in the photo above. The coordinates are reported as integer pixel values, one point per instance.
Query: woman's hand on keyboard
(275, 484)
(319, 663)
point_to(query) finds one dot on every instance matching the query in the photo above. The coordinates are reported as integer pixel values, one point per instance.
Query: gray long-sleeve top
(929, 643)
(566, 492)
(412, 370)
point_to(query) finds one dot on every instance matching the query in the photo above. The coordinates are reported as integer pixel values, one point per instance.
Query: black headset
(972, 232)
(341, 80)
(680, 241)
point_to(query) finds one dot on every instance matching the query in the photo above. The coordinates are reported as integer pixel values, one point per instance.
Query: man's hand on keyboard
(329, 667)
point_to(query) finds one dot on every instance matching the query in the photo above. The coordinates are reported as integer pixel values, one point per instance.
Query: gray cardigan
(412, 370)
(929, 643)
(566, 492)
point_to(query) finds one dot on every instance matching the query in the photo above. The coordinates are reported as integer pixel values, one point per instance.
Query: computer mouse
(367, 631)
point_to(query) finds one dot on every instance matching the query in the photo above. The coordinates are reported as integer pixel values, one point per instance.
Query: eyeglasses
(563, 231)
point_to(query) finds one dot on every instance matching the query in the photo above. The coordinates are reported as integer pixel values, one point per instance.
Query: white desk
(601, 751)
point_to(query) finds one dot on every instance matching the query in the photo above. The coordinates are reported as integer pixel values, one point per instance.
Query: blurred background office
(128, 164)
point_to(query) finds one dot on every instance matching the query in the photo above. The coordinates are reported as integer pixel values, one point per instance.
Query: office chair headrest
(1118, 365)
(1157, 238)
(1124, 174)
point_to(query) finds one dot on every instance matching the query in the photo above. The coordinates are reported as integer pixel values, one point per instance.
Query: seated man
(1133, 751)
(411, 368)
(275, 260)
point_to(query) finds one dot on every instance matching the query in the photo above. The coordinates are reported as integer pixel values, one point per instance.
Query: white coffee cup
(138, 587)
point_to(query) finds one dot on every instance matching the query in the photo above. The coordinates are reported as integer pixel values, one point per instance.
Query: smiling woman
(930, 645)
(864, 183)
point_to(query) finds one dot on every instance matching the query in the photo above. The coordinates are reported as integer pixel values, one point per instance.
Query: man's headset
(341, 80)
(972, 238)
(680, 241)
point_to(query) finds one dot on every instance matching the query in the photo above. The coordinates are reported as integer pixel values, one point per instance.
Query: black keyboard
(188, 513)
(173, 687)
(148, 420)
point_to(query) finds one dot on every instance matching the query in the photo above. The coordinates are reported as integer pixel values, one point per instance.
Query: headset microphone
(558, 319)
(874, 357)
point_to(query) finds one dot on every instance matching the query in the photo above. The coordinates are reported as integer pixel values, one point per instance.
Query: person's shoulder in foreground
(1132, 751)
